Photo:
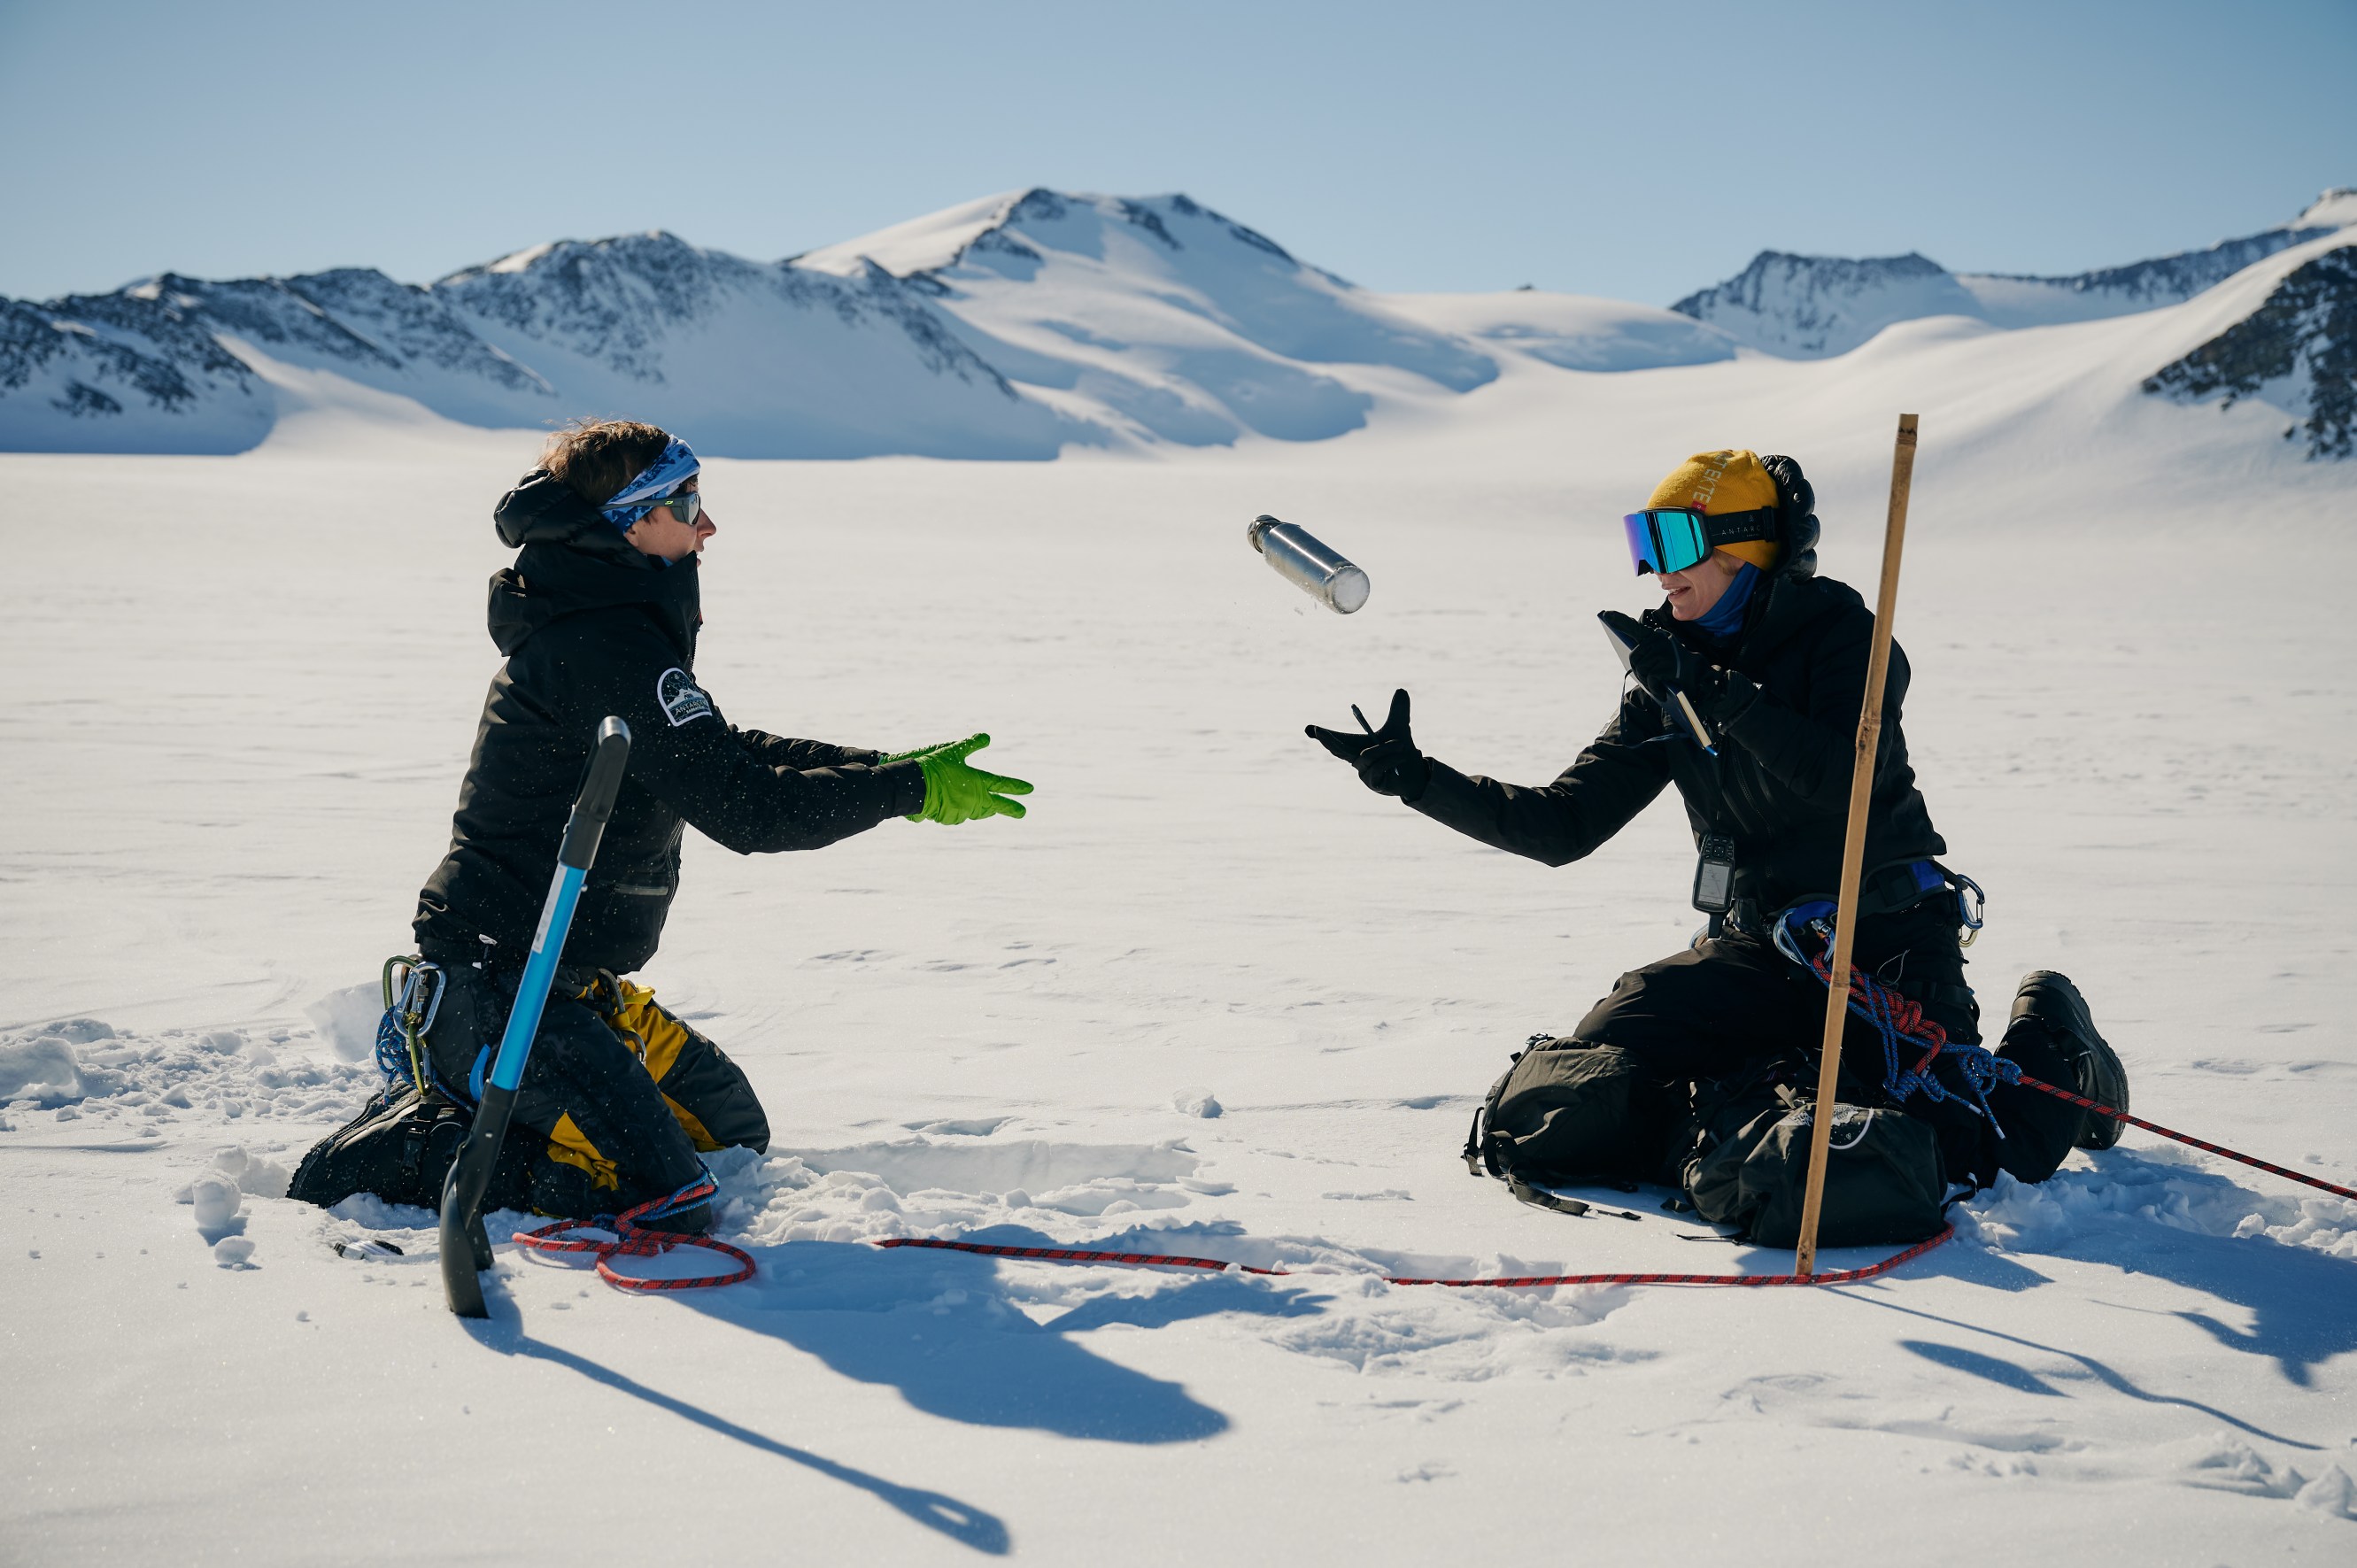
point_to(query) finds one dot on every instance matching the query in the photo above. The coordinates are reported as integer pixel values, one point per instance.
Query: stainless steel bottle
(1314, 568)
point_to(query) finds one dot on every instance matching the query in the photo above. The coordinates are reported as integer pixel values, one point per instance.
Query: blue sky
(1638, 152)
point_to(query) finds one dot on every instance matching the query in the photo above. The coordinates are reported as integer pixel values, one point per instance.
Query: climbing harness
(1518, 1281)
(633, 1238)
(1898, 1022)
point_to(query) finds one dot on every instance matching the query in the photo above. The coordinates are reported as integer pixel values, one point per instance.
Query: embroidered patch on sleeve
(682, 702)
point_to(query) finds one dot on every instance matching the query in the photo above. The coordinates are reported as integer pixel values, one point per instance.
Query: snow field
(247, 689)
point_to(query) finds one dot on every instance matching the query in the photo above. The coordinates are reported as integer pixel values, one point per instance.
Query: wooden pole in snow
(1861, 791)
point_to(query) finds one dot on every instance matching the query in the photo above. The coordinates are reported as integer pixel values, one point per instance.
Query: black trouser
(581, 1068)
(1729, 1004)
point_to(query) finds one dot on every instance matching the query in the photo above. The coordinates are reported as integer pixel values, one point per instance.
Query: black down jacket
(590, 627)
(1780, 784)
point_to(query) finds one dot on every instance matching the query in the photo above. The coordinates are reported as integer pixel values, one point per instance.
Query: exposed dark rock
(2300, 349)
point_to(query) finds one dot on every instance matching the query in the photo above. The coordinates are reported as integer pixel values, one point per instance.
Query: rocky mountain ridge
(1819, 307)
(2297, 351)
(1016, 326)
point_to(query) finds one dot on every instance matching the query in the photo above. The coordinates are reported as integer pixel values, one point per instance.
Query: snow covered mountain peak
(1002, 224)
(1172, 320)
(1808, 307)
(2336, 208)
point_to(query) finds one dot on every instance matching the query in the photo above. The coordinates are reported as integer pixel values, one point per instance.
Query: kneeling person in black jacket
(1770, 660)
(599, 615)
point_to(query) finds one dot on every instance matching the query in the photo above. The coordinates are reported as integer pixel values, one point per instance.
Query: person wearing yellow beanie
(1745, 684)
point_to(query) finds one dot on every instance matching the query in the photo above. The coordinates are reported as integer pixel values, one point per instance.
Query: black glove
(1386, 758)
(1663, 664)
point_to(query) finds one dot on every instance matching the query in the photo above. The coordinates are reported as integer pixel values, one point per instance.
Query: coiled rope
(1898, 1022)
(632, 1240)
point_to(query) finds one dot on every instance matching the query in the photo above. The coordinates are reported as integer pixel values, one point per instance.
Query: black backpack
(400, 1148)
(1884, 1178)
(1568, 1111)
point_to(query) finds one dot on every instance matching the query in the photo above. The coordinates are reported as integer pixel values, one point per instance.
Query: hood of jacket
(573, 560)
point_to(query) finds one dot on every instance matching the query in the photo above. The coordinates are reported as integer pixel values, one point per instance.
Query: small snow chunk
(228, 1042)
(346, 1019)
(81, 1031)
(217, 1201)
(1196, 1102)
(42, 1069)
(2332, 1494)
(254, 1174)
(1016, 1197)
(232, 1251)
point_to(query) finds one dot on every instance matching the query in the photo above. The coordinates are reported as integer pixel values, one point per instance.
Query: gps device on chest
(1714, 887)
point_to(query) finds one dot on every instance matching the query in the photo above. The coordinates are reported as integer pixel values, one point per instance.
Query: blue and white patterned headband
(657, 479)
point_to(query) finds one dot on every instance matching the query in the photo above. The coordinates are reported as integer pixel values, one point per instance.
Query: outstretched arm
(780, 752)
(1617, 777)
(688, 755)
(1614, 779)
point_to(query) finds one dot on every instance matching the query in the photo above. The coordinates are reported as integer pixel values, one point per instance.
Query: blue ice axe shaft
(466, 1249)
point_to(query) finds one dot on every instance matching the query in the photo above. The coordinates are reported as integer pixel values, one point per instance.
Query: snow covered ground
(242, 691)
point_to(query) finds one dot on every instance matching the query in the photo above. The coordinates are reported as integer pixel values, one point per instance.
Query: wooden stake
(1861, 791)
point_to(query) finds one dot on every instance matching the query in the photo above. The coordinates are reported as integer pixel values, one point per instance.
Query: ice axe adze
(466, 1249)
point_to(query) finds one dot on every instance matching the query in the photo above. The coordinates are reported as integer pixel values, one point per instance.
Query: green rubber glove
(956, 791)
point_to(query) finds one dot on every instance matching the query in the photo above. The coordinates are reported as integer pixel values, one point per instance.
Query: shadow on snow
(962, 1522)
(941, 1328)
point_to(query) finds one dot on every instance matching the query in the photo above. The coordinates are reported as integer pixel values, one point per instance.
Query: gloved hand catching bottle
(1386, 758)
(1669, 671)
(956, 791)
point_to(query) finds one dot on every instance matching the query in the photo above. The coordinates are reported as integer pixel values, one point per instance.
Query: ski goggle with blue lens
(1671, 539)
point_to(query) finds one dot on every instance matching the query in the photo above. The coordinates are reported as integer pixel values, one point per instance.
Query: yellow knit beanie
(1721, 482)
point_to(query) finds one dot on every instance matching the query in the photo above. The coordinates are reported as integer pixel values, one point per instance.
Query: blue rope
(688, 1196)
(1884, 1010)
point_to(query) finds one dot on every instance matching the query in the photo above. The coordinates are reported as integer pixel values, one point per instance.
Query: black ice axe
(466, 1249)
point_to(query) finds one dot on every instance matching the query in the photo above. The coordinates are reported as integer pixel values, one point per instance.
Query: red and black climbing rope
(631, 1240)
(1513, 1281)
(2084, 1103)
(1533, 1282)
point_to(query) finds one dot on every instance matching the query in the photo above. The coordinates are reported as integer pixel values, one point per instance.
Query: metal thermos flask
(1314, 568)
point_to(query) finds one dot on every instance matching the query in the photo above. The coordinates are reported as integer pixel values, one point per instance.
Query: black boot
(2048, 1001)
